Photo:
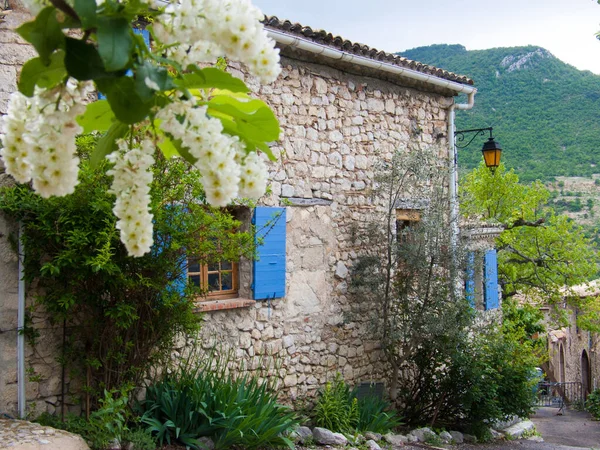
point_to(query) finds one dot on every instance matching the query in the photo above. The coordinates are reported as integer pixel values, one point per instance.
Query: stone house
(342, 107)
(572, 351)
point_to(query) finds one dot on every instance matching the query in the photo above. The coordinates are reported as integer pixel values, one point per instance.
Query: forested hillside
(545, 113)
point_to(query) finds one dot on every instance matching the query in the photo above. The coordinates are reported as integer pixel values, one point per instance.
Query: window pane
(213, 267)
(213, 282)
(194, 280)
(225, 265)
(193, 265)
(226, 281)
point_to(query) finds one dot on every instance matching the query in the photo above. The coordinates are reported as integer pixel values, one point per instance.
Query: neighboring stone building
(573, 352)
(343, 107)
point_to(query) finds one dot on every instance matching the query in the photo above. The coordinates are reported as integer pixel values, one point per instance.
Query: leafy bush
(140, 439)
(338, 409)
(592, 404)
(491, 379)
(105, 426)
(205, 401)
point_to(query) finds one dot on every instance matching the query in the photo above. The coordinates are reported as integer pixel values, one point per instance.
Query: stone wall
(336, 128)
(573, 342)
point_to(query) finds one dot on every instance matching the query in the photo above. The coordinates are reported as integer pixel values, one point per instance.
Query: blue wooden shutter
(490, 264)
(470, 279)
(179, 284)
(268, 277)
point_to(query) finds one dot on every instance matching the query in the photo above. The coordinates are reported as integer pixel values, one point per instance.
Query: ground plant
(339, 409)
(592, 404)
(113, 422)
(205, 400)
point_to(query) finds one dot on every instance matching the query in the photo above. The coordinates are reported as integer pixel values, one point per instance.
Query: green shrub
(592, 404)
(336, 408)
(376, 415)
(140, 439)
(205, 401)
(106, 425)
(339, 410)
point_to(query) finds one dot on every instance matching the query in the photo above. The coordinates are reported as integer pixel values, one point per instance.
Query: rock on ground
(446, 437)
(323, 436)
(304, 434)
(23, 435)
(423, 434)
(395, 439)
(369, 435)
(372, 445)
(457, 437)
(516, 431)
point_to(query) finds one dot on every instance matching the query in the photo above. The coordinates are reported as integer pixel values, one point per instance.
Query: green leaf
(86, 10)
(44, 33)
(35, 72)
(97, 117)
(168, 148)
(157, 75)
(125, 102)
(114, 42)
(254, 119)
(107, 144)
(83, 61)
(211, 77)
(184, 152)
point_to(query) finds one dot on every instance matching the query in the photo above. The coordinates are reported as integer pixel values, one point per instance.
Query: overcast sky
(564, 27)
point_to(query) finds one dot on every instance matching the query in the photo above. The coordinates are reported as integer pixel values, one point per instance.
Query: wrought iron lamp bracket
(460, 136)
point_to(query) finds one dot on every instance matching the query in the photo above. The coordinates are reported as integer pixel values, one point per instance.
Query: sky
(564, 27)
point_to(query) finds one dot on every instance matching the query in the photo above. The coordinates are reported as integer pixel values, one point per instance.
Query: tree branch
(63, 6)
(525, 223)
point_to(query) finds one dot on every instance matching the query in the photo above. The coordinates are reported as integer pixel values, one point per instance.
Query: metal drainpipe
(453, 188)
(20, 327)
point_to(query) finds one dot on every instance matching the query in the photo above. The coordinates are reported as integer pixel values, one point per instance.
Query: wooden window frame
(406, 218)
(221, 294)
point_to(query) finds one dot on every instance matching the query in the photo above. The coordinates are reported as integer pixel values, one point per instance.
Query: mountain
(545, 113)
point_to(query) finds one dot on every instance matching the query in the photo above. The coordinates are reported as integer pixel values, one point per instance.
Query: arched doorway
(586, 375)
(561, 364)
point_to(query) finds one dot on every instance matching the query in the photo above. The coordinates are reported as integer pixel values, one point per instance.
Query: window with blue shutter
(470, 279)
(268, 280)
(490, 268)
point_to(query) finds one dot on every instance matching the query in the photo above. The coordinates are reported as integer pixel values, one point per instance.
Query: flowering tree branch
(157, 99)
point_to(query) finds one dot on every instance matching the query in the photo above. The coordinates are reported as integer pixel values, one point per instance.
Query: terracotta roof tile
(338, 42)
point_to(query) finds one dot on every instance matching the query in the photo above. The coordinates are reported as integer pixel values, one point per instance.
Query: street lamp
(491, 149)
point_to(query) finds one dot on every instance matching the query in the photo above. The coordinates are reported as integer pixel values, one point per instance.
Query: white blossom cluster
(201, 30)
(132, 176)
(38, 137)
(226, 170)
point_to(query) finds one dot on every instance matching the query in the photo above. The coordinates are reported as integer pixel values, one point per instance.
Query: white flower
(38, 136)
(200, 30)
(253, 180)
(16, 151)
(132, 176)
